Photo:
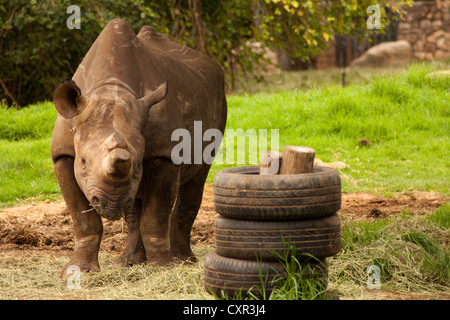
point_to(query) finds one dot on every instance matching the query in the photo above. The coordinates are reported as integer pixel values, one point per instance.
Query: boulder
(385, 54)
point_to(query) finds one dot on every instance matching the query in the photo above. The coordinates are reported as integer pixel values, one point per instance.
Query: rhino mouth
(110, 214)
(111, 210)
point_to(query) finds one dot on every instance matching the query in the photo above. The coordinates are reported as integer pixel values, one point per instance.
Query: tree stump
(297, 160)
(270, 163)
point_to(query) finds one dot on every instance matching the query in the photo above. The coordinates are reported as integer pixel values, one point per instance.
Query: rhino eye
(83, 161)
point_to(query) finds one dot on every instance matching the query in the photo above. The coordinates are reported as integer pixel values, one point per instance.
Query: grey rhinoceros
(112, 142)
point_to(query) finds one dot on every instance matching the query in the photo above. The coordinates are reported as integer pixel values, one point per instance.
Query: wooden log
(297, 160)
(270, 162)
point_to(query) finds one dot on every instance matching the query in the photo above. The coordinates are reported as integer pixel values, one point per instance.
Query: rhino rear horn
(154, 97)
(68, 99)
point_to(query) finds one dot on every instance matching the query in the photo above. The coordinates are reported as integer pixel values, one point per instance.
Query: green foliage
(442, 216)
(303, 278)
(305, 27)
(361, 234)
(425, 241)
(436, 262)
(38, 50)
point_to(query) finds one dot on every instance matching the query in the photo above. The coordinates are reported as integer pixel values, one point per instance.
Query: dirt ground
(46, 225)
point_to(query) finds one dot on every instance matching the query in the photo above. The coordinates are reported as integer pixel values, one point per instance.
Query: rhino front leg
(87, 223)
(134, 252)
(160, 186)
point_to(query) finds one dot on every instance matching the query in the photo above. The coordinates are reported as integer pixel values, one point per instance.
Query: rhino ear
(68, 99)
(154, 97)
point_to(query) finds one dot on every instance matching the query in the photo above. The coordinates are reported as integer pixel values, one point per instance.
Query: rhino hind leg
(159, 191)
(87, 223)
(184, 213)
(134, 252)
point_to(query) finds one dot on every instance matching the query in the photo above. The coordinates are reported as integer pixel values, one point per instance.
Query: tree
(37, 49)
(305, 27)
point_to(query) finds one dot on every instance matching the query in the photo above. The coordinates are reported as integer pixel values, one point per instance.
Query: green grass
(32, 123)
(26, 167)
(314, 79)
(405, 116)
(441, 216)
(301, 281)
(411, 252)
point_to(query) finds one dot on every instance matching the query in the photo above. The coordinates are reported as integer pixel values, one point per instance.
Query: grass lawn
(405, 117)
(26, 167)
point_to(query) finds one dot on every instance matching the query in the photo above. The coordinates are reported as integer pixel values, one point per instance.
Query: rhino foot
(161, 260)
(186, 256)
(77, 265)
(128, 260)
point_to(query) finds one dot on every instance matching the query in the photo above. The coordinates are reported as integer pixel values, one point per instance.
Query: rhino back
(195, 89)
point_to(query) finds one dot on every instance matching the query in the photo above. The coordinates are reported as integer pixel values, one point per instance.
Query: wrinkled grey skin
(112, 143)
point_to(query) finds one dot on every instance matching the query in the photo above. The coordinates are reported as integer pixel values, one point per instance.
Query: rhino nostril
(95, 202)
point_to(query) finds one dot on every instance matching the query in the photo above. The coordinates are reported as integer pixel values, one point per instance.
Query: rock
(424, 24)
(385, 54)
(431, 38)
(364, 142)
(430, 48)
(440, 43)
(436, 24)
(438, 34)
(418, 46)
(441, 55)
(419, 55)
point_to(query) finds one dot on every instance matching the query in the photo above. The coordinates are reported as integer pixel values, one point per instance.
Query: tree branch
(8, 93)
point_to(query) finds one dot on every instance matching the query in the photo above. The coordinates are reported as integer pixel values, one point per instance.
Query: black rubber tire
(252, 239)
(242, 193)
(230, 276)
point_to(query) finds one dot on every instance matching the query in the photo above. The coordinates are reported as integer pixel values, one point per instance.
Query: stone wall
(426, 27)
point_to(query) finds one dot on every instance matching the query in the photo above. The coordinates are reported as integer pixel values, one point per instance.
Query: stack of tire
(259, 215)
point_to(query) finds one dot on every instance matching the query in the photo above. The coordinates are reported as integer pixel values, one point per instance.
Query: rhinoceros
(112, 143)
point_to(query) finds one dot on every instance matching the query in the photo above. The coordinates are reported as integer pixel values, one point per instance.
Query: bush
(38, 50)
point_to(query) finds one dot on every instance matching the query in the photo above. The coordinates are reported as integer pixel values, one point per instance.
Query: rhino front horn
(117, 164)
